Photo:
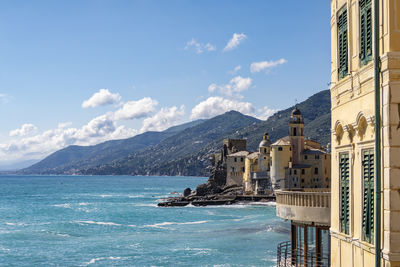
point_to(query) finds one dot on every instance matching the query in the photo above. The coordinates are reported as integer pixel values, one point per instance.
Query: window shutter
(342, 43)
(365, 31)
(344, 192)
(368, 201)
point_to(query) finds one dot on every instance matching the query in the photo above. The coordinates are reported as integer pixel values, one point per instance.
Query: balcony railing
(288, 257)
(308, 204)
(307, 197)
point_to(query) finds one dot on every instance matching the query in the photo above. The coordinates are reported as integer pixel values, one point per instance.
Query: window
(295, 171)
(265, 150)
(241, 159)
(235, 159)
(344, 192)
(294, 131)
(242, 169)
(280, 148)
(305, 157)
(303, 171)
(302, 180)
(342, 43)
(365, 31)
(315, 170)
(316, 156)
(368, 198)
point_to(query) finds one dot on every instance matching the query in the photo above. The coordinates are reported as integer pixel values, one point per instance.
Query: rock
(187, 192)
(208, 188)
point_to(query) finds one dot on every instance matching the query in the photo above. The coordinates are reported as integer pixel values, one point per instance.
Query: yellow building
(364, 232)
(256, 178)
(301, 173)
(299, 163)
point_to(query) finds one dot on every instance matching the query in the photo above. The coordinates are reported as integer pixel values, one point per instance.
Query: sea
(115, 221)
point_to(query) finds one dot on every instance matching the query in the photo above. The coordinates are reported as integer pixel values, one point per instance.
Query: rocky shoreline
(227, 196)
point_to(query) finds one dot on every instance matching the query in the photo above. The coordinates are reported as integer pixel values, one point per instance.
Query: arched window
(294, 131)
(316, 171)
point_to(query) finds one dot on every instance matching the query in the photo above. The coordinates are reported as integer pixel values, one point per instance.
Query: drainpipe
(377, 137)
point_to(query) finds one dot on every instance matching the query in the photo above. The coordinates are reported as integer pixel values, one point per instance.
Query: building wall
(235, 166)
(251, 165)
(280, 160)
(353, 131)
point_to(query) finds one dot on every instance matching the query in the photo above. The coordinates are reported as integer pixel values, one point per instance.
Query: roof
(284, 141)
(239, 154)
(264, 143)
(253, 155)
(296, 111)
(313, 152)
(299, 166)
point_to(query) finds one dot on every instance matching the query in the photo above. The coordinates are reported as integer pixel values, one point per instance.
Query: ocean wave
(160, 225)
(136, 196)
(103, 223)
(92, 261)
(144, 204)
(99, 223)
(65, 205)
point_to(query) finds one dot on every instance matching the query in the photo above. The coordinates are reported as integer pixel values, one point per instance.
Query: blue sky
(160, 63)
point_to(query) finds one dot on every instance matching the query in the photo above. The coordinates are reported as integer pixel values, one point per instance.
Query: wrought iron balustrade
(288, 257)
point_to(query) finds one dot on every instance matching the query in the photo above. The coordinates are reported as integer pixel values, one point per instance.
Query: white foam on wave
(135, 196)
(100, 223)
(92, 261)
(83, 204)
(65, 205)
(104, 223)
(160, 225)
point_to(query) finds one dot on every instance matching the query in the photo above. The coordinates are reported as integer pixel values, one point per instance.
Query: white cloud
(216, 105)
(199, 47)
(233, 89)
(266, 65)
(101, 98)
(234, 42)
(265, 113)
(4, 98)
(235, 70)
(25, 129)
(136, 109)
(163, 119)
(97, 130)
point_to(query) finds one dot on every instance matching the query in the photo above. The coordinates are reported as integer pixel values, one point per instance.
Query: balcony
(306, 205)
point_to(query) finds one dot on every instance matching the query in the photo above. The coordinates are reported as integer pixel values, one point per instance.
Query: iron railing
(288, 257)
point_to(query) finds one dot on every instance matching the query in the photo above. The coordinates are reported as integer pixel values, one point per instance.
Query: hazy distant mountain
(184, 149)
(72, 158)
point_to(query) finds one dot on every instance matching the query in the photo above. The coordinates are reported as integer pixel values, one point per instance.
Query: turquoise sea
(115, 221)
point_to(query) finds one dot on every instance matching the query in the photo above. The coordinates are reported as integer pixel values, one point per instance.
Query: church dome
(265, 142)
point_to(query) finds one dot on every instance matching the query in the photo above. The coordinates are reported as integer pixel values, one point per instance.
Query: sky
(83, 72)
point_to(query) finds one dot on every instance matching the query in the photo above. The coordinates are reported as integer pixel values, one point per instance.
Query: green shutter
(342, 43)
(368, 201)
(365, 31)
(344, 192)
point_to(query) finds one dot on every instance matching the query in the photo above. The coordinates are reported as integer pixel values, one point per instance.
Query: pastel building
(365, 97)
(301, 173)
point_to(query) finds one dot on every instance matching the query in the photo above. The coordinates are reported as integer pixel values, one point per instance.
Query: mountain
(72, 158)
(184, 149)
(180, 154)
(316, 111)
(78, 159)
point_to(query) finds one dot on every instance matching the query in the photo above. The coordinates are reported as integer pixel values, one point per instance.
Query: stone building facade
(356, 80)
